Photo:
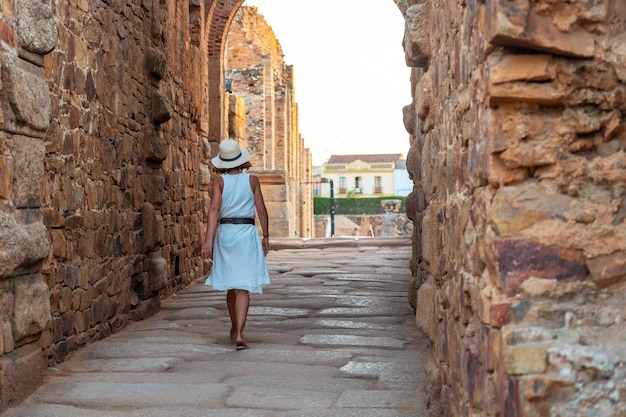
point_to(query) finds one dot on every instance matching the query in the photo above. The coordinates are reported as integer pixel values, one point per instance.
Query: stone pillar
(276, 192)
(28, 32)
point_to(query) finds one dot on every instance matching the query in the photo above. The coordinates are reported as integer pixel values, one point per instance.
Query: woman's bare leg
(230, 302)
(242, 303)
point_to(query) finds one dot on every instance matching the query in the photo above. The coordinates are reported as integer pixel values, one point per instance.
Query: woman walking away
(232, 240)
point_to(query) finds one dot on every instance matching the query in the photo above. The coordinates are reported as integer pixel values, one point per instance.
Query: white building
(366, 175)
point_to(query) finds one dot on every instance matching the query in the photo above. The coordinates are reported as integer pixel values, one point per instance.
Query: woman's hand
(207, 250)
(266, 245)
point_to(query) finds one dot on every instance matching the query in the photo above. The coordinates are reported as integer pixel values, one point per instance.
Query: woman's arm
(213, 217)
(261, 210)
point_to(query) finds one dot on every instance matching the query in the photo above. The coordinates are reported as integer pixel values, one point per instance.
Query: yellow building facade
(360, 175)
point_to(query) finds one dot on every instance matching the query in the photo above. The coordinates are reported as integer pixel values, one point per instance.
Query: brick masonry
(103, 152)
(517, 156)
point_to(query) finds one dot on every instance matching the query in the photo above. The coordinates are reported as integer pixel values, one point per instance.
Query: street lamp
(332, 201)
(332, 205)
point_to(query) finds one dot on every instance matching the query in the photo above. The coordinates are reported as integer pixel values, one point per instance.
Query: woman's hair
(245, 165)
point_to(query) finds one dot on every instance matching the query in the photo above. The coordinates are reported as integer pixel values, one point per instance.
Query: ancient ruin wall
(258, 74)
(518, 156)
(25, 111)
(103, 157)
(126, 180)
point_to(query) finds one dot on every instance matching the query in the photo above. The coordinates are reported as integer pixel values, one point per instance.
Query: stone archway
(219, 16)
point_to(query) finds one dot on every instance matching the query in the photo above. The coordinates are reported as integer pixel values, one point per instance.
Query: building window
(358, 185)
(378, 185)
(342, 185)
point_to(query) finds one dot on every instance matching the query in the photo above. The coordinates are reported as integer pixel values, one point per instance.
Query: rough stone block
(544, 94)
(424, 97)
(517, 23)
(28, 155)
(100, 308)
(499, 314)
(32, 306)
(20, 245)
(155, 146)
(36, 26)
(275, 192)
(500, 175)
(8, 384)
(408, 118)
(205, 177)
(426, 313)
(6, 301)
(518, 260)
(157, 273)
(526, 359)
(540, 387)
(59, 244)
(161, 110)
(417, 35)
(154, 184)
(518, 207)
(522, 67)
(156, 63)
(27, 93)
(609, 269)
(152, 228)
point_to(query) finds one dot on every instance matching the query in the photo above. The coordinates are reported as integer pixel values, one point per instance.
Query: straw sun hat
(230, 155)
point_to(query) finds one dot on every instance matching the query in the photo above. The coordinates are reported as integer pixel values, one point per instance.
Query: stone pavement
(334, 335)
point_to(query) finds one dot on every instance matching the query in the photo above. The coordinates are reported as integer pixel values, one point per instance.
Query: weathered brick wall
(519, 240)
(125, 179)
(104, 173)
(25, 110)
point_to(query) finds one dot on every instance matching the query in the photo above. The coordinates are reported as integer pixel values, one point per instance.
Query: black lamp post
(332, 205)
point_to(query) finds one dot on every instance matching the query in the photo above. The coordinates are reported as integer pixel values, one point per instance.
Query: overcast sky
(351, 81)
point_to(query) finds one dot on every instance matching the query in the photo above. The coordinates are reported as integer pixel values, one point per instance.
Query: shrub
(356, 206)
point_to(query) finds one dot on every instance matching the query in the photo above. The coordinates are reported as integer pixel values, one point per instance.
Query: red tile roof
(370, 159)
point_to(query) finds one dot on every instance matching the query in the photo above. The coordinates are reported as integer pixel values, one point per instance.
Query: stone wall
(25, 111)
(124, 192)
(103, 152)
(518, 155)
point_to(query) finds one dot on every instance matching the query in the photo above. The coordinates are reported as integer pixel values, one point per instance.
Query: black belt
(236, 220)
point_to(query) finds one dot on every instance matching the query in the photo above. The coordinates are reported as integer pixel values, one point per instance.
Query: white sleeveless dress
(238, 260)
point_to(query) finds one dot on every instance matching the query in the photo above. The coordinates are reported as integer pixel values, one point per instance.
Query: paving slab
(334, 335)
(280, 398)
(397, 399)
(105, 394)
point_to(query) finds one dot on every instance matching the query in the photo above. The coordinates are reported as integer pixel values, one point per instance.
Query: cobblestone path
(334, 335)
